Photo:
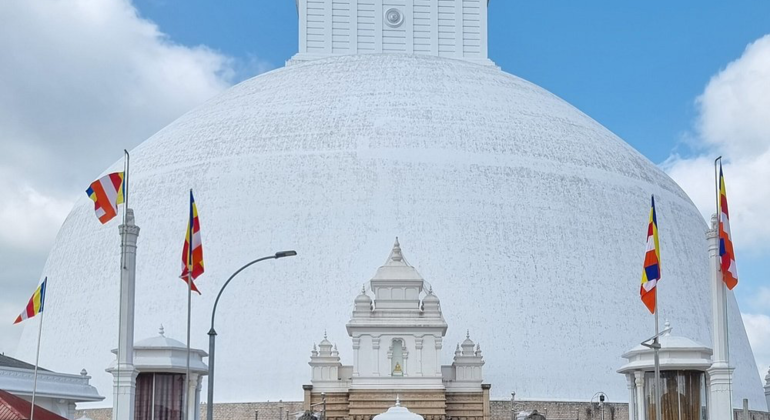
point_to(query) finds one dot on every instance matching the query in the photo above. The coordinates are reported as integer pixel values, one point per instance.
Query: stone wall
(571, 410)
(752, 415)
(500, 410)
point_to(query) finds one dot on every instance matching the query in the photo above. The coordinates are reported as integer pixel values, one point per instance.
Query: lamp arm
(216, 302)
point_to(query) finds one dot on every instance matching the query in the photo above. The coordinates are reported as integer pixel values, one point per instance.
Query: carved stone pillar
(356, 348)
(418, 348)
(376, 354)
(641, 410)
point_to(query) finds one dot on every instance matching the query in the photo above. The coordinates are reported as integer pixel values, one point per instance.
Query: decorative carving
(394, 18)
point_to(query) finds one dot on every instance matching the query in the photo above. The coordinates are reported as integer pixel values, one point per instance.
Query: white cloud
(81, 80)
(734, 122)
(29, 218)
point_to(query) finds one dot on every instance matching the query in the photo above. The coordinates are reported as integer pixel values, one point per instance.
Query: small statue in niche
(397, 370)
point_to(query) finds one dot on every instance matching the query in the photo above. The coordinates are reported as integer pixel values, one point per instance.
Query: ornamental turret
(431, 306)
(363, 304)
(326, 367)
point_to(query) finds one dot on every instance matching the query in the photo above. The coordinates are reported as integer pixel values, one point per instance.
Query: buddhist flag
(651, 272)
(726, 253)
(192, 252)
(107, 193)
(35, 304)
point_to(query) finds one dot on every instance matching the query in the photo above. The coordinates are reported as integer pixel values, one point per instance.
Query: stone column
(487, 411)
(720, 372)
(641, 407)
(376, 354)
(439, 345)
(198, 386)
(307, 389)
(418, 349)
(124, 382)
(192, 403)
(356, 348)
(631, 383)
(405, 355)
(71, 410)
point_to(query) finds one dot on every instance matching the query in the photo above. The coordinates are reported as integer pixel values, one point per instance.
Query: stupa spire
(395, 255)
(382, 28)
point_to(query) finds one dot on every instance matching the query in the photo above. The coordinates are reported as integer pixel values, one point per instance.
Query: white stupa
(530, 216)
(398, 413)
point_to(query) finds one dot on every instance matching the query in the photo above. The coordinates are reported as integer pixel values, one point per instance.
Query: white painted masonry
(444, 28)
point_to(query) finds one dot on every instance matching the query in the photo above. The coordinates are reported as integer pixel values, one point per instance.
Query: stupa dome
(524, 214)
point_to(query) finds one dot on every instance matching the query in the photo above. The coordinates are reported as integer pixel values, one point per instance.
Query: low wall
(567, 410)
(500, 410)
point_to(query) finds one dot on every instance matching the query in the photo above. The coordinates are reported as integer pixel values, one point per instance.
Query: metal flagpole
(656, 349)
(37, 361)
(127, 157)
(189, 307)
(718, 196)
(187, 375)
(656, 341)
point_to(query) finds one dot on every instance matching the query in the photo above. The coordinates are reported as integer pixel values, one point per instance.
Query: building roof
(16, 408)
(7, 361)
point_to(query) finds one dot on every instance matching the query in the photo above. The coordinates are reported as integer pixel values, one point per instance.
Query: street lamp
(602, 397)
(213, 333)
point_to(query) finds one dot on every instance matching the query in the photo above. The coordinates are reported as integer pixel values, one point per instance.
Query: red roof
(15, 408)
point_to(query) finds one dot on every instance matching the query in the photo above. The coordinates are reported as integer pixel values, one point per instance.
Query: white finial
(396, 254)
(324, 333)
(430, 290)
(130, 220)
(468, 334)
(314, 347)
(83, 373)
(161, 331)
(363, 289)
(398, 400)
(667, 327)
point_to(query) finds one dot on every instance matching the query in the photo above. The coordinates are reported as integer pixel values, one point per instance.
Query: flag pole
(656, 350)
(187, 375)
(656, 341)
(718, 198)
(37, 361)
(126, 159)
(189, 307)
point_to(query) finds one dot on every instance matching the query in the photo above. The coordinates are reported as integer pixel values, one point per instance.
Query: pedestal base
(123, 392)
(720, 403)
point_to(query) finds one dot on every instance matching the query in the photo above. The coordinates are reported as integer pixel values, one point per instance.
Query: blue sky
(637, 68)
(634, 68)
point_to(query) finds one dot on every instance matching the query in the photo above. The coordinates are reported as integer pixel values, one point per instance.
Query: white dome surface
(527, 217)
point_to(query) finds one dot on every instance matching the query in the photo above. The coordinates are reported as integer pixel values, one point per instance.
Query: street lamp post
(213, 333)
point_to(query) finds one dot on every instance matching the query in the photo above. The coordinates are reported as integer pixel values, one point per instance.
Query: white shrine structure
(397, 341)
(683, 373)
(161, 363)
(55, 392)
